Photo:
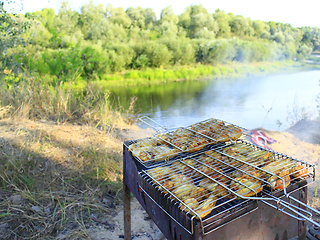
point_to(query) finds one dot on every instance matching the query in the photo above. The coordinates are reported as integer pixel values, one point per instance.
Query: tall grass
(35, 98)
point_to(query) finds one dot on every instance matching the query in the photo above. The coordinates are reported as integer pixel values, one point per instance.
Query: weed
(267, 113)
(279, 123)
(298, 113)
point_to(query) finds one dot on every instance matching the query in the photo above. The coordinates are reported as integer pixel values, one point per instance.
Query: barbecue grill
(203, 182)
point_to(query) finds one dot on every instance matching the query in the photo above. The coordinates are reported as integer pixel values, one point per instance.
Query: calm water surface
(248, 102)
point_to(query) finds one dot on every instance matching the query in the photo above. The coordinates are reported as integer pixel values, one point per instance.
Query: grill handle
(282, 205)
(305, 205)
(153, 124)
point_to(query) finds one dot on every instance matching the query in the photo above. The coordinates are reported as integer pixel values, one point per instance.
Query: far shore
(190, 73)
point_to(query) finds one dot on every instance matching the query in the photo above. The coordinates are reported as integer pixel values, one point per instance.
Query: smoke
(306, 130)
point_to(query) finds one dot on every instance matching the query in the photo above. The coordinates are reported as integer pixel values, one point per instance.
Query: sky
(297, 13)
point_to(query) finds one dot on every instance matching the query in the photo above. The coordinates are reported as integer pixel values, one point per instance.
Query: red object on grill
(261, 139)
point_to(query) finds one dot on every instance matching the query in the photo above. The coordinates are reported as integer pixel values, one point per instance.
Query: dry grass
(60, 159)
(54, 177)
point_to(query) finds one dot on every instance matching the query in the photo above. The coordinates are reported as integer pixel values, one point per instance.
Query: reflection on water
(248, 102)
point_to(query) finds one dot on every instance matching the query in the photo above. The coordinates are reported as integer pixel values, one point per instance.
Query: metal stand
(126, 212)
(126, 200)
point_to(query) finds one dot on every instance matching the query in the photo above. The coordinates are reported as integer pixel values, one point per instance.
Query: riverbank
(189, 73)
(63, 181)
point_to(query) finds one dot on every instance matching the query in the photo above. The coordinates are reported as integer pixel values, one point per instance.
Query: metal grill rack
(167, 145)
(220, 185)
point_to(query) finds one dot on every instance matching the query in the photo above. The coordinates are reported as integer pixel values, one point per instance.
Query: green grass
(188, 73)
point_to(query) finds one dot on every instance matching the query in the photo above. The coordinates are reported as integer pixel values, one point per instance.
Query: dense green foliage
(100, 40)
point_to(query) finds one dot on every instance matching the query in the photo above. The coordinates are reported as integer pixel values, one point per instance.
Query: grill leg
(126, 212)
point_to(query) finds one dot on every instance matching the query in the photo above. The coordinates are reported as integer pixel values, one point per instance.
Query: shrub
(303, 52)
(218, 51)
(121, 56)
(154, 55)
(182, 51)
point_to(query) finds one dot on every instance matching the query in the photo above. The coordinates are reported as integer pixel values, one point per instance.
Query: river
(272, 102)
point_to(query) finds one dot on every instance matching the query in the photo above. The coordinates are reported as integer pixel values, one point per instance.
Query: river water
(271, 102)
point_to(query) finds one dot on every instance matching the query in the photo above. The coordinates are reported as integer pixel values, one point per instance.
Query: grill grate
(165, 146)
(213, 185)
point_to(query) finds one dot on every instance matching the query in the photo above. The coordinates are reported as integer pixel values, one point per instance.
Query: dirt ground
(301, 142)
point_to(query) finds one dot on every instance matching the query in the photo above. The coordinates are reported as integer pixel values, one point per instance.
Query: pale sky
(297, 13)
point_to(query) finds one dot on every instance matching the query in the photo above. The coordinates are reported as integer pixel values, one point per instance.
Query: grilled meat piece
(277, 182)
(299, 172)
(246, 186)
(184, 190)
(280, 170)
(215, 188)
(201, 209)
(206, 206)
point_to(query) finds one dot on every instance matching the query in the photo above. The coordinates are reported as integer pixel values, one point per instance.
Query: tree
(200, 19)
(223, 20)
(167, 15)
(106, 31)
(304, 51)
(182, 51)
(241, 26)
(260, 27)
(47, 17)
(279, 37)
(66, 20)
(10, 37)
(307, 36)
(316, 39)
(184, 18)
(274, 27)
(150, 17)
(36, 33)
(168, 29)
(265, 35)
(137, 16)
(118, 16)
(151, 54)
(91, 15)
(218, 51)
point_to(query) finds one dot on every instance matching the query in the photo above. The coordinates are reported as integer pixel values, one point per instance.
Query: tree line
(99, 40)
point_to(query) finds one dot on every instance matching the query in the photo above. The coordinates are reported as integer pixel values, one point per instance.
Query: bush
(154, 55)
(95, 63)
(218, 51)
(141, 62)
(243, 52)
(303, 52)
(121, 56)
(182, 51)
